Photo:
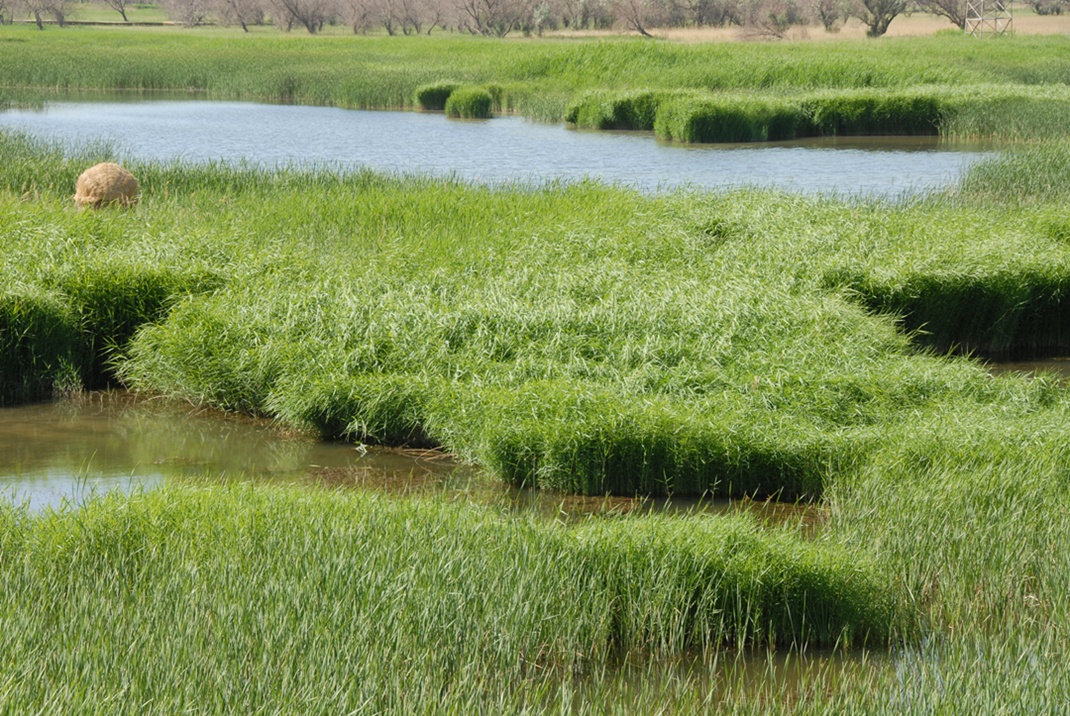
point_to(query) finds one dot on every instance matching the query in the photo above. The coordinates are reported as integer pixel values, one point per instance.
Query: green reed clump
(469, 103)
(720, 568)
(585, 439)
(341, 601)
(1007, 113)
(114, 300)
(434, 96)
(1010, 315)
(860, 113)
(634, 110)
(377, 409)
(41, 344)
(694, 119)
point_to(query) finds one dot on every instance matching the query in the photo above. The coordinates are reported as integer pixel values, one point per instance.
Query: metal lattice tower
(987, 17)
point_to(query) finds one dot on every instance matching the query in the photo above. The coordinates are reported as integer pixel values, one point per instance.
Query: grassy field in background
(570, 336)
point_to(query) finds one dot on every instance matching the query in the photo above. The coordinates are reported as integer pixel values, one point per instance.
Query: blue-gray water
(503, 149)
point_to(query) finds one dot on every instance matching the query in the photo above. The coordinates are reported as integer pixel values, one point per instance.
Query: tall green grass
(41, 345)
(434, 96)
(1006, 113)
(583, 337)
(469, 103)
(283, 599)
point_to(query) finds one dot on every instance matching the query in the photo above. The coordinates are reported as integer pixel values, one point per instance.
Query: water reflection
(1059, 366)
(767, 677)
(69, 449)
(506, 149)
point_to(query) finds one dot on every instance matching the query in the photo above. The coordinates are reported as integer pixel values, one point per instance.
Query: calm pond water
(70, 449)
(504, 149)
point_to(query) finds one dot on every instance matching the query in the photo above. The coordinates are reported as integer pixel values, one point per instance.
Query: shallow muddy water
(504, 149)
(767, 676)
(1057, 366)
(70, 449)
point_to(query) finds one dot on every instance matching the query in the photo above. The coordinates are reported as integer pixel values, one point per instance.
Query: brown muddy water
(1060, 367)
(67, 450)
(60, 453)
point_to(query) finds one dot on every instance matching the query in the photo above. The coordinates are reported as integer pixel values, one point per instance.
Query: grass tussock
(469, 103)
(434, 96)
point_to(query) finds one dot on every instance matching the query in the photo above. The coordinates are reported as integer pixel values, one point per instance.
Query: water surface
(504, 149)
(67, 450)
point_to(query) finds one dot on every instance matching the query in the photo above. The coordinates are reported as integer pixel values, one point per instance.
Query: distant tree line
(498, 18)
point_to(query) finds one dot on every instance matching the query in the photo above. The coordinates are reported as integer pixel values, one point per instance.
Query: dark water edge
(1058, 366)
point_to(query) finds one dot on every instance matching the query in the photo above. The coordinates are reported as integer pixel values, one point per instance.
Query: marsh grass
(602, 109)
(434, 96)
(41, 344)
(469, 103)
(541, 78)
(582, 337)
(282, 598)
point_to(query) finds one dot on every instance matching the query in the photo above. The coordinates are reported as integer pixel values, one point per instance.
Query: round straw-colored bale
(106, 184)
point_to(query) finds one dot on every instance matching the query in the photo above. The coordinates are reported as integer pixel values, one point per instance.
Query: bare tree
(584, 14)
(119, 6)
(188, 12)
(311, 14)
(411, 15)
(877, 15)
(58, 9)
(641, 15)
(953, 10)
(773, 18)
(714, 13)
(243, 12)
(496, 18)
(830, 13)
(361, 15)
(438, 15)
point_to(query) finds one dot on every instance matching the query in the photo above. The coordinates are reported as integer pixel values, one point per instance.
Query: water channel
(67, 450)
(504, 149)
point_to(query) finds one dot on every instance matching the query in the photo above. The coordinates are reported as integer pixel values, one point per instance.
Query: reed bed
(1006, 113)
(469, 103)
(433, 96)
(279, 599)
